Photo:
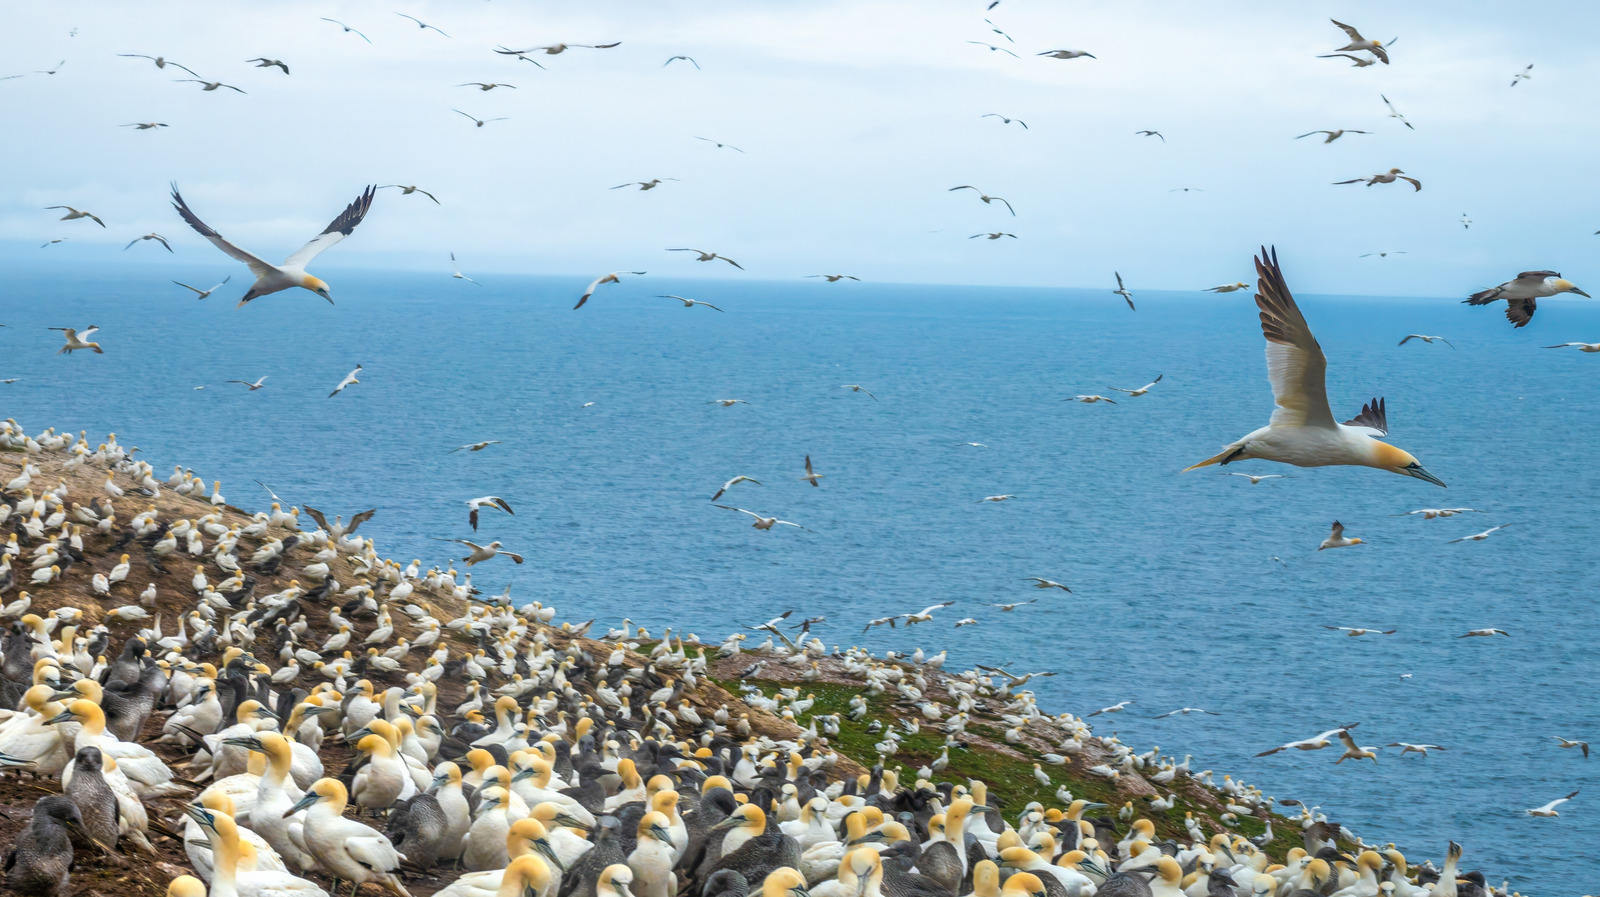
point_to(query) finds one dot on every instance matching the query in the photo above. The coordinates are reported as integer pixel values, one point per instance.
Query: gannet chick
(1004, 120)
(1356, 632)
(207, 85)
(1573, 744)
(687, 303)
(649, 185)
(1228, 287)
(1336, 133)
(408, 189)
(150, 236)
(493, 501)
(1336, 539)
(1135, 393)
(1485, 633)
(457, 268)
(1387, 177)
(1090, 400)
(253, 386)
(263, 62)
(1395, 113)
(1549, 809)
(1478, 537)
(349, 379)
(1426, 339)
(76, 340)
(1407, 747)
(480, 122)
(1582, 347)
(1040, 583)
(201, 294)
(987, 200)
(1358, 43)
(835, 278)
(1522, 295)
(1523, 75)
(708, 256)
(421, 25)
(73, 214)
(347, 29)
(1067, 54)
(613, 277)
(1122, 291)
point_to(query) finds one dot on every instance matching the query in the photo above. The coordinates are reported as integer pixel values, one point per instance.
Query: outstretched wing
(257, 267)
(1354, 34)
(317, 516)
(1372, 417)
(1295, 363)
(335, 231)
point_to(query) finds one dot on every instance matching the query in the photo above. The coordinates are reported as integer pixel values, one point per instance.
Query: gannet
(349, 379)
(1334, 134)
(458, 275)
(1430, 513)
(1407, 747)
(688, 59)
(1385, 253)
(708, 256)
(1478, 537)
(54, 242)
(253, 386)
(160, 61)
(1135, 393)
(292, 273)
(207, 85)
(487, 85)
(1067, 54)
(1302, 431)
(1227, 287)
(1090, 400)
(734, 482)
(1582, 347)
(811, 476)
(1395, 113)
(474, 446)
(1355, 632)
(201, 294)
(481, 553)
(77, 340)
(557, 49)
(1336, 538)
(493, 501)
(993, 235)
(1522, 295)
(650, 185)
(613, 277)
(421, 25)
(1314, 743)
(727, 403)
(1466, 223)
(77, 213)
(348, 29)
(993, 48)
(1549, 809)
(150, 236)
(721, 145)
(856, 387)
(835, 278)
(1186, 711)
(987, 199)
(687, 303)
(1387, 177)
(1004, 120)
(1256, 478)
(763, 523)
(1485, 633)
(263, 62)
(1041, 583)
(1122, 291)
(1008, 608)
(1573, 744)
(1151, 134)
(1358, 62)
(1523, 75)
(408, 189)
(1358, 43)
(480, 122)
(1007, 497)
(1426, 339)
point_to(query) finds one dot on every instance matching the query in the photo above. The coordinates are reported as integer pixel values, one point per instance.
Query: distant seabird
(492, 501)
(263, 62)
(480, 122)
(1354, 632)
(420, 24)
(856, 387)
(347, 30)
(1336, 538)
(1407, 747)
(1256, 478)
(207, 85)
(727, 403)
(709, 256)
(160, 61)
(1523, 294)
(150, 236)
(720, 145)
(687, 303)
(1573, 744)
(407, 190)
(1314, 743)
(1227, 287)
(1387, 177)
(811, 475)
(688, 59)
(1334, 134)
(1123, 291)
(1007, 497)
(1395, 113)
(458, 275)
(1185, 711)
(1582, 347)
(1353, 751)
(487, 85)
(993, 235)
(734, 482)
(76, 340)
(1549, 810)
(253, 386)
(763, 523)
(75, 213)
(1090, 400)
(1004, 120)
(1466, 223)
(481, 553)
(987, 199)
(145, 125)
(1067, 54)
(835, 278)
(474, 446)
(201, 294)
(1523, 75)
(1430, 513)
(1359, 62)
(1385, 253)
(1008, 608)
(1151, 134)
(1478, 537)
(992, 47)
(557, 49)
(1485, 633)
(644, 185)
(613, 277)
(1042, 583)
(1114, 708)
(1425, 338)
(1135, 393)
(349, 379)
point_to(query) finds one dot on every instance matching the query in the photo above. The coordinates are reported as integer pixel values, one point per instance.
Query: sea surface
(1197, 589)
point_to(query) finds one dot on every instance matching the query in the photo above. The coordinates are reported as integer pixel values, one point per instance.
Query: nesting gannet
(474, 446)
(1122, 291)
(1387, 177)
(1582, 347)
(1395, 113)
(1522, 295)
(1359, 43)
(1523, 75)
(835, 278)
(993, 235)
(647, 185)
(1314, 743)
(1302, 431)
(1114, 708)
(481, 553)
(77, 340)
(720, 145)
(1485, 633)
(1042, 583)
(687, 303)
(253, 386)
(1478, 537)
(734, 482)
(1135, 393)
(1090, 400)
(1430, 513)
(1067, 54)
(457, 268)
(993, 48)
(347, 29)
(77, 213)
(1407, 747)
(349, 379)
(150, 236)
(1573, 744)
(688, 59)
(856, 387)
(1357, 632)
(486, 86)
(1336, 539)
(201, 294)
(292, 273)
(408, 189)
(1385, 253)
(493, 501)
(421, 25)
(613, 277)
(160, 61)
(987, 199)
(1424, 338)
(727, 403)
(709, 256)
(1227, 287)
(1549, 809)
(480, 122)
(1185, 711)
(763, 523)
(263, 62)
(1004, 120)
(1334, 134)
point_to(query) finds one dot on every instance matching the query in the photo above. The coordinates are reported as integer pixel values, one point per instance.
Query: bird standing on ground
(1522, 295)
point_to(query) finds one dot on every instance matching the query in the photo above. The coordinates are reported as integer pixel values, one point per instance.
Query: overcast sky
(855, 117)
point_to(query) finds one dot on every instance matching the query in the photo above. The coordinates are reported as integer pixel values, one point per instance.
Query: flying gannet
(856, 387)
(1090, 400)
(734, 482)
(687, 303)
(1135, 393)
(207, 86)
(1353, 632)
(491, 501)
(1185, 711)
(1407, 747)
(145, 125)
(458, 275)
(481, 553)
(1067, 54)
(263, 62)
(1336, 538)
(474, 446)
(1256, 478)
(706, 256)
(727, 403)
(721, 145)
(987, 199)
(994, 48)
(688, 59)
(1430, 513)
(1333, 134)
(407, 190)
(1004, 120)
(1228, 287)
(1386, 177)
(645, 185)
(1395, 113)
(201, 294)
(347, 30)
(487, 86)
(1573, 744)
(1549, 810)
(76, 213)
(1424, 338)
(993, 235)
(1522, 295)
(421, 25)
(1359, 43)
(253, 386)
(1582, 347)
(1523, 75)
(292, 273)
(1123, 291)
(613, 277)
(1485, 633)
(1302, 430)
(811, 476)
(763, 523)
(349, 379)
(480, 122)
(1041, 583)
(150, 236)
(1314, 743)
(835, 278)
(1478, 537)
(78, 339)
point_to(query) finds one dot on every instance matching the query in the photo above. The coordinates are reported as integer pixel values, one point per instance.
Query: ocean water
(1194, 589)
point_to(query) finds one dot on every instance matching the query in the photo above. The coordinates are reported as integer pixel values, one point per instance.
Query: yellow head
(316, 285)
(1397, 460)
(1564, 285)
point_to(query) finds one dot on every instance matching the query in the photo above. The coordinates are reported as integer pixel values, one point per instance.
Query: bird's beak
(1580, 293)
(310, 798)
(64, 716)
(1419, 472)
(522, 774)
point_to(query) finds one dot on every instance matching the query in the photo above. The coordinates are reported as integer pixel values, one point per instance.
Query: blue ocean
(1196, 589)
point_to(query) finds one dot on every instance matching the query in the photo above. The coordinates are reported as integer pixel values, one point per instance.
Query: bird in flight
(688, 59)
(1336, 538)
(1090, 400)
(1359, 62)
(1395, 113)
(253, 386)
(1008, 608)
(1478, 537)
(486, 86)
(1004, 120)
(1302, 430)
(458, 275)
(811, 475)
(349, 379)
(201, 294)
(207, 85)
(145, 125)
(1186, 190)
(292, 272)
(1358, 632)
(263, 62)
(1006, 497)
(763, 523)
(709, 256)
(1041, 583)
(76, 213)
(347, 30)
(76, 340)
(1114, 708)
(407, 190)
(721, 145)
(420, 24)
(856, 387)
(1384, 254)
(835, 278)
(160, 61)
(993, 235)
(480, 122)
(687, 303)
(613, 277)
(1359, 43)
(1334, 134)
(1485, 633)
(1067, 54)
(727, 403)
(1228, 287)
(1523, 75)
(1582, 347)
(644, 185)
(1522, 295)
(1151, 134)
(1466, 223)
(1407, 747)
(1426, 339)
(474, 446)
(557, 49)
(1430, 513)
(1256, 478)
(1387, 177)
(54, 242)
(1549, 810)
(1122, 291)
(1314, 743)
(481, 553)
(992, 47)
(734, 482)
(1186, 711)
(491, 501)
(1135, 393)
(1573, 744)
(150, 236)
(987, 199)
(996, 29)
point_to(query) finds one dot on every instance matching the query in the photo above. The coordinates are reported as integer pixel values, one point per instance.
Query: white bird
(76, 213)
(1485, 633)
(856, 387)
(1407, 747)
(994, 48)
(76, 340)
(1008, 608)
(1426, 339)
(1314, 743)
(1227, 287)
(1302, 430)
(253, 386)
(1114, 708)
(1523, 75)
(1256, 478)
(727, 403)
(150, 236)
(645, 185)
(703, 256)
(1336, 133)
(1067, 54)
(1358, 43)
(763, 523)
(1466, 223)
(1355, 632)
(292, 273)
(811, 475)
(734, 482)
(475, 446)
(458, 275)
(1385, 177)
(1122, 291)
(480, 122)
(408, 189)
(1006, 497)
(926, 614)
(348, 380)
(613, 277)
(1090, 400)
(161, 61)
(493, 501)
(1336, 539)
(1478, 537)
(1041, 583)
(1573, 744)
(420, 24)
(1430, 513)
(835, 278)
(1395, 114)
(987, 199)
(1186, 711)
(1549, 809)
(201, 294)
(1353, 751)
(207, 85)
(687, 303)
(481, 553)
(1133, 393)
(1582, 347)
(1522, 295)
(347, 30)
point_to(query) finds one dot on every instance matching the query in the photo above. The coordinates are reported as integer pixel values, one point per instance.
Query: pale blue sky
(856, 118)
